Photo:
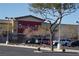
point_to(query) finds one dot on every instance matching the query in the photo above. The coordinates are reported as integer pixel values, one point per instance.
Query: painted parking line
(36, 51)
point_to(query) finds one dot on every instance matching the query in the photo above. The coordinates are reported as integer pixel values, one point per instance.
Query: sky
(22, 9)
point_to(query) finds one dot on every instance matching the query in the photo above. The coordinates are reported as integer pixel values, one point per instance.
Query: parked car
(74, 43)
(46, 41)
(55, 42)
(30, 41)
(38, 41)
(63, 42)
(16, 38)
(33, 41)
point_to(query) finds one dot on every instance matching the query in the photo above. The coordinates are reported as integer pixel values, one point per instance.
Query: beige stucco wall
(68, 31)
(5, 27)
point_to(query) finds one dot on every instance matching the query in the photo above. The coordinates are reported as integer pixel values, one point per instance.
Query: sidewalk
(42, 48)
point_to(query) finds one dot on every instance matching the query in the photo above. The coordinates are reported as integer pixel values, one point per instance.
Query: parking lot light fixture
(7, 31)
(59, 44)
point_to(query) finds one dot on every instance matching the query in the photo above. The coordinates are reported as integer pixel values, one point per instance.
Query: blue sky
(21, 9)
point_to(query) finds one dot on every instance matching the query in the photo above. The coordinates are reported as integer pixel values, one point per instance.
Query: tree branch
(68, 13)
(55, 22)
(54, 28)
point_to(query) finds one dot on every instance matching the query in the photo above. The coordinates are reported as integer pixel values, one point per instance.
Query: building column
(12, 26)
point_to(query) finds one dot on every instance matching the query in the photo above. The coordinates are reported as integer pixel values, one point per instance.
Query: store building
(32, 25)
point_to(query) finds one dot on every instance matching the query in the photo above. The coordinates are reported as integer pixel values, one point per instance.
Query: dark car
(30, 41)
(75, 43)
(33, 41)
(46, 41)
(16, 38)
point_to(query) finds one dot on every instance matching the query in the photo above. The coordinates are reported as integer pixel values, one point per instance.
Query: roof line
(29, 16)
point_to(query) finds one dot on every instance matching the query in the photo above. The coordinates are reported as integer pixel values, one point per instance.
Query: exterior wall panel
(22, 25)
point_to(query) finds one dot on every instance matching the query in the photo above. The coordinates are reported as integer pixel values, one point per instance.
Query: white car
(63, 42)
(55, 42)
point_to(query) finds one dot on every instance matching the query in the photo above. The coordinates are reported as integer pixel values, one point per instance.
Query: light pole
(7, 31)
(59, 44)
(78, 29)
(61, 15)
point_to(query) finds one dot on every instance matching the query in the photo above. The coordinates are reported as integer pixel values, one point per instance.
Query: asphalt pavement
(20, 51)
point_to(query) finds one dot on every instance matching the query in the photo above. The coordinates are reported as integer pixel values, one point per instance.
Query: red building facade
(27, 21)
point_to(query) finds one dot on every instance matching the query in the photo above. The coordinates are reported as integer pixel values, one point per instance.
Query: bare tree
(55, 12)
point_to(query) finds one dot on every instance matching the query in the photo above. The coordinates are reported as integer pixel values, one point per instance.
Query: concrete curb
(42, 48)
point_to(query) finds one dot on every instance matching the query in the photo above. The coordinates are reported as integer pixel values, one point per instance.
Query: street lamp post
(8, 27)
(61, 15)
(7, 31)
(78, 29)
(59, 44)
